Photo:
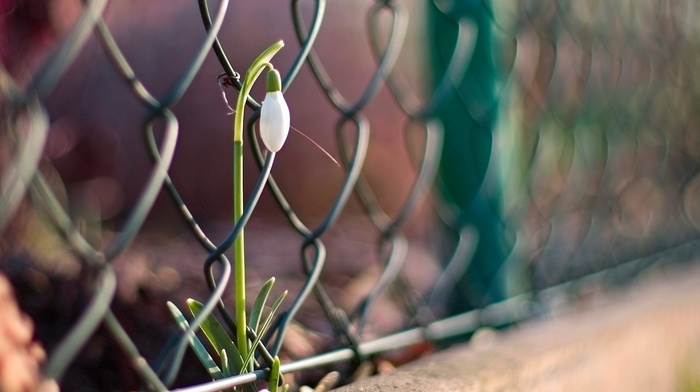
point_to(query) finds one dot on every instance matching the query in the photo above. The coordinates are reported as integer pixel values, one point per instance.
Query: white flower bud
(274, 114)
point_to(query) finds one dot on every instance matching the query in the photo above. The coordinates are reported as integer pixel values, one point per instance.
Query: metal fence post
(468, 115)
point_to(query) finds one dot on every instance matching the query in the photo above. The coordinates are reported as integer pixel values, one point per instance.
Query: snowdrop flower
(274, 114)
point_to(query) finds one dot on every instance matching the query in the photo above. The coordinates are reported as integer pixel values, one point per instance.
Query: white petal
(274, 121)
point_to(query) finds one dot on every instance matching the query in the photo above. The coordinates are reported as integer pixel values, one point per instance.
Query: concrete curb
(645, 339)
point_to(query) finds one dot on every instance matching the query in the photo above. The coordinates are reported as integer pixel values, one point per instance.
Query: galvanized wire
(591, 174)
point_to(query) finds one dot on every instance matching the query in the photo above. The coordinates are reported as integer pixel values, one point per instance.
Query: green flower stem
(251, 76)
(239, 250)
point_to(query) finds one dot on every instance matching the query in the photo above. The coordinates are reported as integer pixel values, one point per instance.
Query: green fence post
(468, 116)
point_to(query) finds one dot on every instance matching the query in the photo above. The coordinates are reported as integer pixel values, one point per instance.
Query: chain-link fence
(494, 157)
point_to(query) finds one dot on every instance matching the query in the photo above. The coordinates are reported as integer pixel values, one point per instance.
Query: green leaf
(265, 326)
(216, 335)
(275, 375)
(196, 344)
(273, 309)
(225, 367)
(228, 372)
(259, 305)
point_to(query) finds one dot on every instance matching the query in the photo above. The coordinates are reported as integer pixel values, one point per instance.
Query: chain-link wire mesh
(546, 146)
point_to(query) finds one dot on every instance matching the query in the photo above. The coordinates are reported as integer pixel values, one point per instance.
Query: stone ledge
(645, 339)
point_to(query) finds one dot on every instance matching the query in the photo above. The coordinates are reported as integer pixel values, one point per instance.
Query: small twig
(227, 81)
(328, 382)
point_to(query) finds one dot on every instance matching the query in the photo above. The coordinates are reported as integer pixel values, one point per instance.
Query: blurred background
(509, 147)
